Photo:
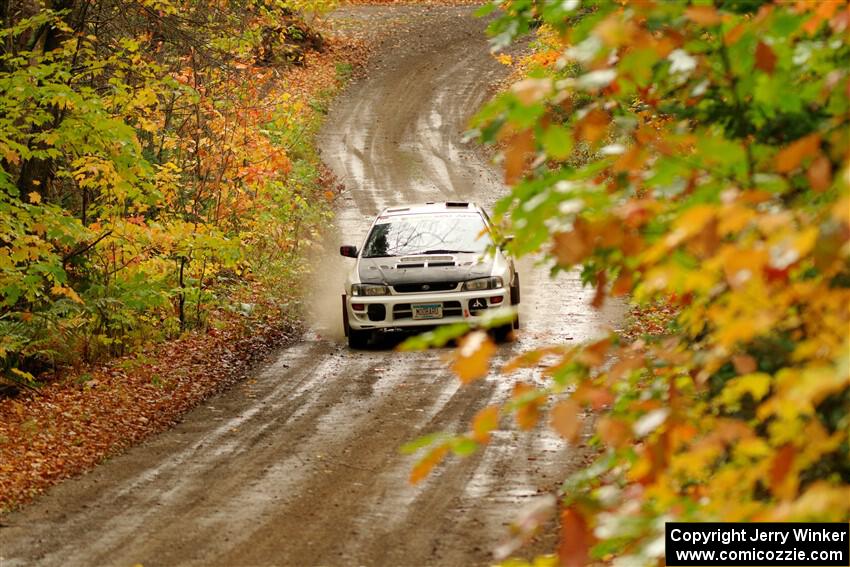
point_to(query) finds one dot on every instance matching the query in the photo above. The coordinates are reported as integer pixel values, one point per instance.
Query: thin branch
(87, 247)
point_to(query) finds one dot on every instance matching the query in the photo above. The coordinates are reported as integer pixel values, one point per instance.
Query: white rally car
(426, 265)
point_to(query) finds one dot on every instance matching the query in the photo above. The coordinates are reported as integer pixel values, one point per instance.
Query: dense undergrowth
(155, 170)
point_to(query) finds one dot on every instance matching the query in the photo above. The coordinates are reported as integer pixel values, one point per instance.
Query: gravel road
(300, 465)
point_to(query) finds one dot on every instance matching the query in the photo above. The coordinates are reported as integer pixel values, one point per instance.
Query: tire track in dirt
(300, 465)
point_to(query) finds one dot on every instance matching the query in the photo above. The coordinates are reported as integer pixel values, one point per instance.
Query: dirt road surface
(300, 465)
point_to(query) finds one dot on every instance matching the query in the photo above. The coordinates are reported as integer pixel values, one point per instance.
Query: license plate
(427, 311)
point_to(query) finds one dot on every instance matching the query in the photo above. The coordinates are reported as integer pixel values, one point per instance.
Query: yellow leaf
(35, 197)
(67, 292)
(821, 501)
(734, 218)
(690, 223)
(811, 386)
(756, 385)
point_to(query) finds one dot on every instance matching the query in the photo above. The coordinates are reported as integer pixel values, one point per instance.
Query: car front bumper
(396, 311)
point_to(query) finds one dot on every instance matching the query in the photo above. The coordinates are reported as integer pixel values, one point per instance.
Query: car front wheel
(358, 339)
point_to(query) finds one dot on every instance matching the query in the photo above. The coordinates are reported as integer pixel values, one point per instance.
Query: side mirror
(348, 251)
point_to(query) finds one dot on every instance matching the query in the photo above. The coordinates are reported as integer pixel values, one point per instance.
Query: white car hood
(424, 268)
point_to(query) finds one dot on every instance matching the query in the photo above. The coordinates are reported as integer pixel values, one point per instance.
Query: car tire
(358, 339)
(502, 332)
(515, 298)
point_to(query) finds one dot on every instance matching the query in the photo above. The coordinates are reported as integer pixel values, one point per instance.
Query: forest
(690, 159)
(153, 168)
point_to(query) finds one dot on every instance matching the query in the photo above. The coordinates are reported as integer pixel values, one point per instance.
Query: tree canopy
(693, 154)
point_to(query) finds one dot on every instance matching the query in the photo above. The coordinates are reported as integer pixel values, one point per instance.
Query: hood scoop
(425, 262)
(423, 269)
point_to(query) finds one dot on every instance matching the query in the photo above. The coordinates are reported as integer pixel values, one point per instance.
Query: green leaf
(558, 141)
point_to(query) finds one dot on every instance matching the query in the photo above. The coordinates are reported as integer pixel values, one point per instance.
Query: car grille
(404, 311)
(425, 287)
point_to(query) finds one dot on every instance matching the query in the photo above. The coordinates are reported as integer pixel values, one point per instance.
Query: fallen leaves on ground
(85, 416)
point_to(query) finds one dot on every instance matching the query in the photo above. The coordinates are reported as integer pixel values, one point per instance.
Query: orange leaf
(820, 174)
(484, 422)
(733, 35)
(743, 265)
(593, 126)
(517, 153)
(599, 296)
(530, 358)
(434, 457)
(572, 247)
(703, 15)
(744, 364)
(597, 398)
(790, 157)
(528, 414)
(765, 58)
(613, 432)
(576, 539)
(626, 364)
(622, 285)
(631, 160)
(565, 419)
(530, 91)
(594, 354)
(472, 358)
(780, 468)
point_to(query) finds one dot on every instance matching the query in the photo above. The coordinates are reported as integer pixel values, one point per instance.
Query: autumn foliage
(694, 155)
(151, 158)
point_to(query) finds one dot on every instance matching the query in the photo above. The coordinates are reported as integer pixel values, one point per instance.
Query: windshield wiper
(381, 256)
(445, 252)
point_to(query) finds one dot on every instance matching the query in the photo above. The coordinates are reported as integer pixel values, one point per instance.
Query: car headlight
(483, 283)
(369, 289)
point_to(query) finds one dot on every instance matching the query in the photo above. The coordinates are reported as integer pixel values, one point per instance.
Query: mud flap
(515, 299)
(344, 316)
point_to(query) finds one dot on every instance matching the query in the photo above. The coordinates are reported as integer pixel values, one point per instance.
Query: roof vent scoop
(458, 204)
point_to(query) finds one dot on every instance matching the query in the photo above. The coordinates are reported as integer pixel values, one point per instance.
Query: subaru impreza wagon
(426, 265)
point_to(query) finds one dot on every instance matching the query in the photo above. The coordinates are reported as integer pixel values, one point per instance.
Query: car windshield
(428, 234)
